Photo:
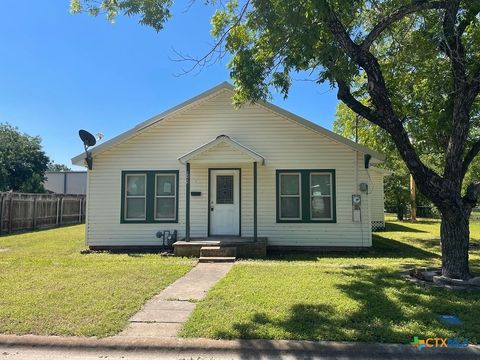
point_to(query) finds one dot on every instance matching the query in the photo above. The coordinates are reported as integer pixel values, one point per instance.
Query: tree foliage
(52, 166)
(152, 13)
(22, 161)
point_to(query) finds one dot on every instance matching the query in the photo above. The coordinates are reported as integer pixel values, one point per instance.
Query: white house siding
(378, 199)
(283, 143)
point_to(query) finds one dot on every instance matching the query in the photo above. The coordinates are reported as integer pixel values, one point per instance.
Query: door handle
(211, 208)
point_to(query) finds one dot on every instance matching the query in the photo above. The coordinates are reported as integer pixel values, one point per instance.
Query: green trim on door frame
(188, 179)
(239, 198)
(305, 197)
(149, 197)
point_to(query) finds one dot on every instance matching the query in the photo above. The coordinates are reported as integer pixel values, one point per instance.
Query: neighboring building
(204, 168)
(66, 182)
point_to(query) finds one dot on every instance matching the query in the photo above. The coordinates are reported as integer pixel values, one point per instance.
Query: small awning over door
(220, 150)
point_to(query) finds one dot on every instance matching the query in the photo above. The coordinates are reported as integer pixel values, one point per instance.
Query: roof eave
(319, 129)
(78, 160)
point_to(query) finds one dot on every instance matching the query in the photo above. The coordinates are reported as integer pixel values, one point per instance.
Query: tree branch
(461, 120)
(474, 150)
(474, 88)
(453, 45)
(216, 48)
(344, 94)
(363, 58)
(468, 18)
(399, 14)
(471, 195)
(428, 181)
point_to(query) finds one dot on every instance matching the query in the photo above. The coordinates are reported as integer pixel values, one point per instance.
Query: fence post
(34, 218)
(57, 210)
(79, 210)
(10, 215)
(61, 210)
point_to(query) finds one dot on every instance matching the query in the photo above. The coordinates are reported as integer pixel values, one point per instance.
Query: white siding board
(284, 145)
(377, 196)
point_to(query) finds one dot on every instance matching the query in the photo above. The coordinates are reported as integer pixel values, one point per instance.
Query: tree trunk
(455, 236)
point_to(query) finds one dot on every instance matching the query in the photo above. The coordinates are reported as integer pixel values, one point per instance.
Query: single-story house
(209, 170)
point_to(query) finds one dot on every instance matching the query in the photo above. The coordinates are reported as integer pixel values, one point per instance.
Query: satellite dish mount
(88, 141)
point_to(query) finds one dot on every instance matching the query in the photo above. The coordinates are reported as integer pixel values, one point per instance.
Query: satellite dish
(87, 138)
(88, 141)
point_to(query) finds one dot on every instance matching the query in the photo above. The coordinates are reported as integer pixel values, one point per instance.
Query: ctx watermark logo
(439, 342)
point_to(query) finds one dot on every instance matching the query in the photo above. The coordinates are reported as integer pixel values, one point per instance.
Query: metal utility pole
(356, 128)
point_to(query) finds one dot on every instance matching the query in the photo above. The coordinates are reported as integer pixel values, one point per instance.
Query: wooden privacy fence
(21, 212)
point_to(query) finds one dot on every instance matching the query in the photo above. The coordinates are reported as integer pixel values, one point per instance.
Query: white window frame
(321, 196)
(280, 196)
(174, 197)
(135, 197)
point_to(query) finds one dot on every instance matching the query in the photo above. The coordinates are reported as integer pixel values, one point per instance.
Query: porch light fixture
(367, 158)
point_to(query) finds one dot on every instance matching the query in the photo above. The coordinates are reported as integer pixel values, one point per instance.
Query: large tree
(365, 49)
(22, 161)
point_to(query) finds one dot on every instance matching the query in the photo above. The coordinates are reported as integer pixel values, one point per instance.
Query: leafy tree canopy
(58, 167)
(22, 161)
(152, 13)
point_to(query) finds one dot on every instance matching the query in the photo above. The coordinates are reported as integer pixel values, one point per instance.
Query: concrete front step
(246, 246)
(218, 251)
(217, 259)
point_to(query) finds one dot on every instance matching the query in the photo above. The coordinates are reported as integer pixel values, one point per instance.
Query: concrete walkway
(163, 315)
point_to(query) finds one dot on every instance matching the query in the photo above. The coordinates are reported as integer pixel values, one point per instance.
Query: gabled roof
(79, 159)
(222, 139)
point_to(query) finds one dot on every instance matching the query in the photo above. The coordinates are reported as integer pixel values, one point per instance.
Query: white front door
(224, 202)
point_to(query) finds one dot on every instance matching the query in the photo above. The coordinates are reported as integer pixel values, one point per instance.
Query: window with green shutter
(149, 196)
(305, 196)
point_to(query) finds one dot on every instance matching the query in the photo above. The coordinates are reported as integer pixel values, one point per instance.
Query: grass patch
(343, 297)
(48, 288)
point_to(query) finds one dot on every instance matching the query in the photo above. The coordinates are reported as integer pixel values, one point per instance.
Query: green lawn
(47, 287)
(349, 297)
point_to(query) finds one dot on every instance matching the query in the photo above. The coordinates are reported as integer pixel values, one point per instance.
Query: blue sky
(61, 72)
